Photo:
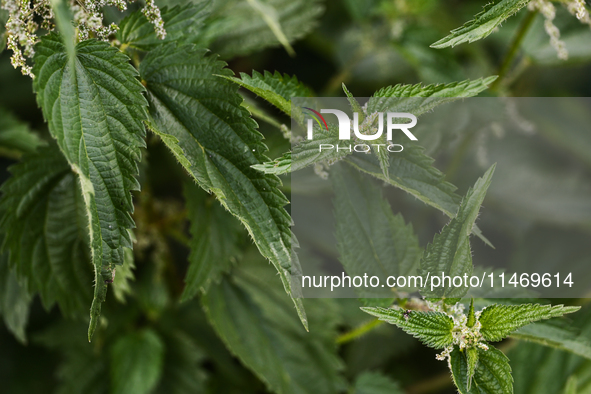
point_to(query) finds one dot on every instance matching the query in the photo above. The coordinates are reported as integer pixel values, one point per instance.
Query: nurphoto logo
(367, 132)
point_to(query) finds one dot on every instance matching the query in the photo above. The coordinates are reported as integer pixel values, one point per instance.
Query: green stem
(358, 332)
(513, 49)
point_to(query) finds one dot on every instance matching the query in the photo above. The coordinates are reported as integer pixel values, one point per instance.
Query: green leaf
(182, 24)
(418, 99)
(14, 301)
(492, 374)
(136, 362)
(16, 137)
(571, 385)
(214, 240)
(43, 218)
(236, 28)
(220, 141)
(271, 18)
(498, 321)
(449, 254)
(279, 166)
(434, 329)
(555, 336)
(370, 238)
(276, 88)
(483, 24)
(94, 106)
(251, 314)
(125, 275)
(472, 363)
(375, 383)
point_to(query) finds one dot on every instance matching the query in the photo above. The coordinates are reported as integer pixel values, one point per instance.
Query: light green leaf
(571, 385)
(252, 315)
(271, 18)
(418, 99)
(498, 321)
(14, 301)
(214, 240)
(276, 88)
(94, 106)
(235, 28)
(16, 137)
(483, 24)
(220, 141)
(43, 219)
(434, 329)
(182, 24)
(450, 253)
(492, 374)
(375, 383)
(279, 166)
(136, 362)
(125, 275)
(472, 363)
(370, 238)
(555, 336)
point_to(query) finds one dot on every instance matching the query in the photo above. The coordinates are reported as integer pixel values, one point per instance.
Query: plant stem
(513, 49)
(359, 331)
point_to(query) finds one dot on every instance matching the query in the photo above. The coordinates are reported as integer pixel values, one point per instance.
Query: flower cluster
(463, 336)
(27, 17)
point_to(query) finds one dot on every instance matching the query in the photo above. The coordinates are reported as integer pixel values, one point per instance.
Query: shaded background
(367, 44)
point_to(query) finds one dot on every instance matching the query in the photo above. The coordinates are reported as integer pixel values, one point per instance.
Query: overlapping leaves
(94, 107)
(217, 144)
(43, 218)
(449, 253)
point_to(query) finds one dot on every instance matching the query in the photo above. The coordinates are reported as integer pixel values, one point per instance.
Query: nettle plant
(68, 202)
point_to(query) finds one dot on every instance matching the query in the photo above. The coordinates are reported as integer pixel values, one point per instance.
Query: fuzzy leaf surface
(219, 140)
(43, 219)
(492, 374)
(214, 240)
(450, 253)
(276, 88)
(182, 24)
(93, 104)
(555, 336)
(483, 24)
(498, 321)
(434, 329)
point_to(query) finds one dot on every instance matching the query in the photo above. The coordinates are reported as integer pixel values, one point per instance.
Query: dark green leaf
(43, 217)
(370, 238)
(237, 28)
(136, 362)
(214, 239)
(498, 321)
(449, 254)
(434, 329)
(16, 137)
(219, 140)
(492, 374)
(253, 317)
(182, 24)
(375, 383)
(94, 106)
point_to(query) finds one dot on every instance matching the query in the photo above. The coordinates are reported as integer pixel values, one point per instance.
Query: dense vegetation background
(150, 342)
